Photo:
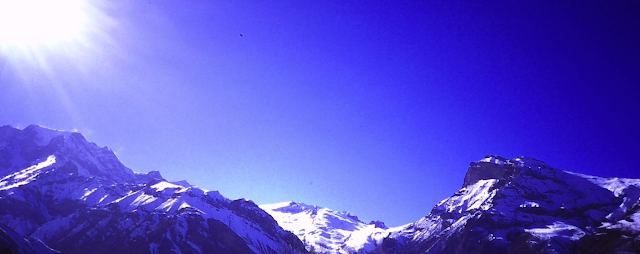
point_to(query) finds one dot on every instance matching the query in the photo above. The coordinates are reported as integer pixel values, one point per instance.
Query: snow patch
(25, 176)
(161, 186)
(494, 160)
(529, 204)
(557, 229)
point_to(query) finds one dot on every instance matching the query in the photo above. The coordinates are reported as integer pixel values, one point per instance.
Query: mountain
(76, 197)
(59, 192)
(520, 205)
(523, 205)
(327, 231)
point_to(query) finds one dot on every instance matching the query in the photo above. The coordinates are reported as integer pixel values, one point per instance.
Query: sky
(374, 108)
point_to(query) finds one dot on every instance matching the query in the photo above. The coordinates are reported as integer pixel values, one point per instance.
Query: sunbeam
(35, 35)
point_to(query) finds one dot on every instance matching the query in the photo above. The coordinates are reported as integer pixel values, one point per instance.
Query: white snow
(338, 232)
(525, 161)
(494, 160)
(26, 173)
(326, 230)
(87, 193)
(472, 197)
(630, 226)
(558, 228)
(529, 204)
(25, 176)
(161, 186)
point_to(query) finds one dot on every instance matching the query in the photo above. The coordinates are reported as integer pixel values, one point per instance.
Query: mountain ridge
(525, 206)
(77, 197)
(60, 191)
(509, 204)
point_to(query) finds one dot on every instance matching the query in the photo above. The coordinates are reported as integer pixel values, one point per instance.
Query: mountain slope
(78, 198)
(525, 206)
(12, 242)
(521, 205)
(59, 191)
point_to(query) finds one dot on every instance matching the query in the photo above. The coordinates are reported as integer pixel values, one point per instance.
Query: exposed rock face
(525, 206)
(78, 198)
(492, 167)
(378, 224)
(21, 148)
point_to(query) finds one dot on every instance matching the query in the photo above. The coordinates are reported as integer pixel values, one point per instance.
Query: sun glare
(39, 38)
(29, 22)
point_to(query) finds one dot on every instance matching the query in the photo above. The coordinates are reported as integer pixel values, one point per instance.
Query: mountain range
(62, 193)
(76, 197)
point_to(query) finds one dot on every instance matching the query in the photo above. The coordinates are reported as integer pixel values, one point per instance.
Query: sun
(29, 22)
(45, 43)
(37, 34)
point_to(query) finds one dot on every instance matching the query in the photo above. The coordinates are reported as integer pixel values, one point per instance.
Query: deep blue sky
(376, 108)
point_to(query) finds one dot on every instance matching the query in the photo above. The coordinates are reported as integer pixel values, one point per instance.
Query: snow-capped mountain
(78, 198)
(327, 231)
(521, 205)
(525, 206)
(61, 192)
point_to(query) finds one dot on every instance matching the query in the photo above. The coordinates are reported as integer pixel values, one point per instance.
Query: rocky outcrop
(492, 167)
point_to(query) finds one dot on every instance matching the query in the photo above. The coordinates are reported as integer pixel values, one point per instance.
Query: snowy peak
(326, 231)
(58, 188)
(74, 154)
(526, 205)
(78, 198)
(291, 207)
(496, 167)
(314, 212)
(524, 183)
